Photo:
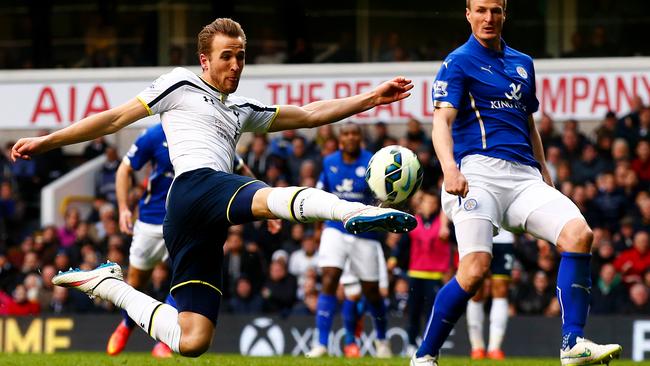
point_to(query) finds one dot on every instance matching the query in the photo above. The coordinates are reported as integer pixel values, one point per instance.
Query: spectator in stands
(608, 295)
(45, 296)
(624, 237)
(588, 167)
(62, 261)
(299, 155)
(323, 133)
(432, 172)
(535, 299)
(641, 163)
(49, 165)
(399, 298)
(11, 214)
(105, 177)
(68, 232)
(257, 158)
(239, 261)
(547, 131)
(610, 201)
(603, 255)
(24, 174)
(244, 300)
(307, 174)
(46, 245)
(571, 146)
(620, 150)
(643, 220)
(304, 259)
(18, 304)
(104, 226)
(590, 212)
(553, 159)
(608, 125)
(8, 274)
(381, 135)
(643, 132)
(95, 148)
(294, 241)
(308, 305)
(633, 263)
(638, 304)
(279, 291)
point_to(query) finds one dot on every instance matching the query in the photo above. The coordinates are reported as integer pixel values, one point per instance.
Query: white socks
(300, 204)
(498, 322)
(475, 318)
(159, 320)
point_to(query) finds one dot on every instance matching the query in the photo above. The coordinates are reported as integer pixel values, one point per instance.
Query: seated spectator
(638, 304)
(47, 273)
(95, 148)
(279, 291)
(625, 235)
(67, 233)
(381, 135)
(18, 304)
(239, 261)
(547, 131)
(535, 299)
(69, 302)
(609, 294)
(643, 221)
(304, 259)
(610, 201)
(8, 274)
(257, 158)
(632, 263)
(245, 301)
(620, 150)
(308, 305)
(588, 167)
(105, 177)
(641, 164)
(399, 298)
(46, 245)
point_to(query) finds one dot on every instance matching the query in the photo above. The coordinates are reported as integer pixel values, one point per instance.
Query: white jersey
(202, 124)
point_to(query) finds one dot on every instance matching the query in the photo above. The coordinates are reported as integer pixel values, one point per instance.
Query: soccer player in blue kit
(147, 247)
(495, 176)
(203, 120)
(344, 175)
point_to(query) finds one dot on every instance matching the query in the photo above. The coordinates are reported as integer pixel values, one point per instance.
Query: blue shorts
(201, 205)
(503, 257)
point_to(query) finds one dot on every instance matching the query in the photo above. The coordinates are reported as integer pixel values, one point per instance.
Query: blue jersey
(152, 146)
(494, 93)
(348, 182)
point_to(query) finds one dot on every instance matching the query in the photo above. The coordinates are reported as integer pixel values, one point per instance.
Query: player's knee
(576, 237)
(473, 269)
(194, 345)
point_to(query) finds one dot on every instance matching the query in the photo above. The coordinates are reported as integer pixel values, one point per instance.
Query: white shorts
(337, 247)
(505, 194)
(148, 246)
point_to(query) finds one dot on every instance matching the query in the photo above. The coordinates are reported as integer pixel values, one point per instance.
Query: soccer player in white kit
(203, 120)
(495, 176)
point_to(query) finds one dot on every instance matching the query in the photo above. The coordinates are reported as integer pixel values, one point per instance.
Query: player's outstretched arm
(455, 182)
(97, 125)
(327, 111)
(538, 150)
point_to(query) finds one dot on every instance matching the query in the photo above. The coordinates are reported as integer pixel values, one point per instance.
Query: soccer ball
(394, 174)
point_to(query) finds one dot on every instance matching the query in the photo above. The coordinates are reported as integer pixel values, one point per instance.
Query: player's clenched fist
(455, 183)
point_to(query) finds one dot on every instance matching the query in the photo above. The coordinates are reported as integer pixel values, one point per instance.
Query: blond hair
(225, 26)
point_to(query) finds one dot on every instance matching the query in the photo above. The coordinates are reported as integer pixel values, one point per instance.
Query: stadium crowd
(607, 174)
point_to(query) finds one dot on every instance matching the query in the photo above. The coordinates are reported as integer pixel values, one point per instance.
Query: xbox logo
(261, 338)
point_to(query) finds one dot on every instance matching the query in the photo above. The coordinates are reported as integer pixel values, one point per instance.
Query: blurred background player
(430, 260)
(344, 175)
(147, 246)
(354, 305)
(501, 268)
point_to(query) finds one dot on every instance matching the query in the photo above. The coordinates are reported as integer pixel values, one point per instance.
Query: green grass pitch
(144, 359)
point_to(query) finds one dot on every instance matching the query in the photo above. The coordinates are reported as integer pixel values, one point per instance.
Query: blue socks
(325, 310)
(574, 293)
(378, 313)
(449, 305)
(350, 317)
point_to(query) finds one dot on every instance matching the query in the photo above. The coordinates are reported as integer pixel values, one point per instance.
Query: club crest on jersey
(439, 89)
(522, 72)
(360, 171)
(470, 204)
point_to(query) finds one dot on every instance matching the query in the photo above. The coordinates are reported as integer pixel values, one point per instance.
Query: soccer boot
(161, 350)
(477, 354)
(89, 282)
(425, 360)
(496, 354)
(317, 352)
(372, 218)
(118, 339)
(382, 348)
(351, 350)
(586, 352)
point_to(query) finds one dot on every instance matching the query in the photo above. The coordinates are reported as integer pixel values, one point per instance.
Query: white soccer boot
(372, 218)
(586, 352)
(382, 348)
(317, 352)
(89, 281)
(425, 360)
